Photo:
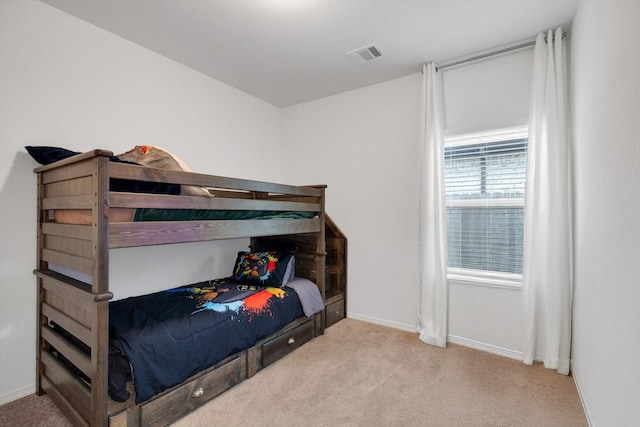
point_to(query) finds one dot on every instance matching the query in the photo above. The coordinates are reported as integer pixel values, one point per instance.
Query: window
(484, 199)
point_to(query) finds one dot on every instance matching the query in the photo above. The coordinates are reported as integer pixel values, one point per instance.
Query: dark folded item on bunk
(171, 335)
(46, 155)
(151, 214)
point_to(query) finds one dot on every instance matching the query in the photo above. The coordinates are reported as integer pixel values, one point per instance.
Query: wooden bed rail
(142, 173)
(72, 288)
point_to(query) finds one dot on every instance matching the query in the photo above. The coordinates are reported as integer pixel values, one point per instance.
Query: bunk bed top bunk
(98, 187)
(69, 186)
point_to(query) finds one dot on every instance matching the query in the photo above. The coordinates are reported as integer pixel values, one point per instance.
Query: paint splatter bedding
(168, 336)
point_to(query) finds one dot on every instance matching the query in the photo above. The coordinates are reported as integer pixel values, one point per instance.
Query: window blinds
(484, 196)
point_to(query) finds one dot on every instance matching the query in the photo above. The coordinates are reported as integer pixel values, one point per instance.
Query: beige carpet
(360, 374)
(32, 411)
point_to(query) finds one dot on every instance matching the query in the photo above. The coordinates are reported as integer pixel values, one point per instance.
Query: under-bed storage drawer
(334, 312)
(192, 394)
(287, 342)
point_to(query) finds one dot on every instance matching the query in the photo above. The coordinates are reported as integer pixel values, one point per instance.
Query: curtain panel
(432, 280)
(548, 247)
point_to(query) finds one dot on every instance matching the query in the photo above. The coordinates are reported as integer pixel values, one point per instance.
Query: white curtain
(548, 250)
(432, 281)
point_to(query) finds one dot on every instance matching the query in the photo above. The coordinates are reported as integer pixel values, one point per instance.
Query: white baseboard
(382, 322)
(17, 394)
(466, 342)
(512, 354)
(489, 348)
(576, 380)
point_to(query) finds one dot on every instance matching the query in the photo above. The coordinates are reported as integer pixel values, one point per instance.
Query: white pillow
(156, 157)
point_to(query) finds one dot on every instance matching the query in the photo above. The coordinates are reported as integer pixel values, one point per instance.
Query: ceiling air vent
(365, 54)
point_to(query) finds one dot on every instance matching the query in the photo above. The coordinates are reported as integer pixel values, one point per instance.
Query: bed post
(39, 292)
(100, 286)
(320, 255)
(321, 247)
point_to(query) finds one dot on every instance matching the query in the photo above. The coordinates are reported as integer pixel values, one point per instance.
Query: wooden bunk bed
(82, 182)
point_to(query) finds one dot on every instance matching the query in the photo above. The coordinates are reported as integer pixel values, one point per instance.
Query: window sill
(491, 280)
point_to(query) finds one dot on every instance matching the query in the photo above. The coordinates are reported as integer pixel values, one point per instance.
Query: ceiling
(292, 51)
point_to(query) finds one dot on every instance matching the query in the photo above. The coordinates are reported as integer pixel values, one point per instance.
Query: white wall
(488, 94)
(605, 66)
(363, 145)
(67, 83)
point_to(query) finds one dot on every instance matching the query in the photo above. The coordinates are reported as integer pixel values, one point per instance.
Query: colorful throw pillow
(274, 269)
(156, 157)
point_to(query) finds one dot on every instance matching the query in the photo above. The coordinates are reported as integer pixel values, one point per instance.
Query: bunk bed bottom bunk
(60, 378)
(175, 403)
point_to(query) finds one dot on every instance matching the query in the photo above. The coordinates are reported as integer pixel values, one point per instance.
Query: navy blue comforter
(171, 335)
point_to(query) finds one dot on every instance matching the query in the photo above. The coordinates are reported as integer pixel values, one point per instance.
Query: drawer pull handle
(337, 312)
(199, 392)
(291, 340)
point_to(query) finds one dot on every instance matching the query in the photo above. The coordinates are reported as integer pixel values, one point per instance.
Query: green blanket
(148, 214)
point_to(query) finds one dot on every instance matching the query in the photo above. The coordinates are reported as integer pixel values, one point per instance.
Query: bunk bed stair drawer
(334, 312)
(282, 345)
(185, 398)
